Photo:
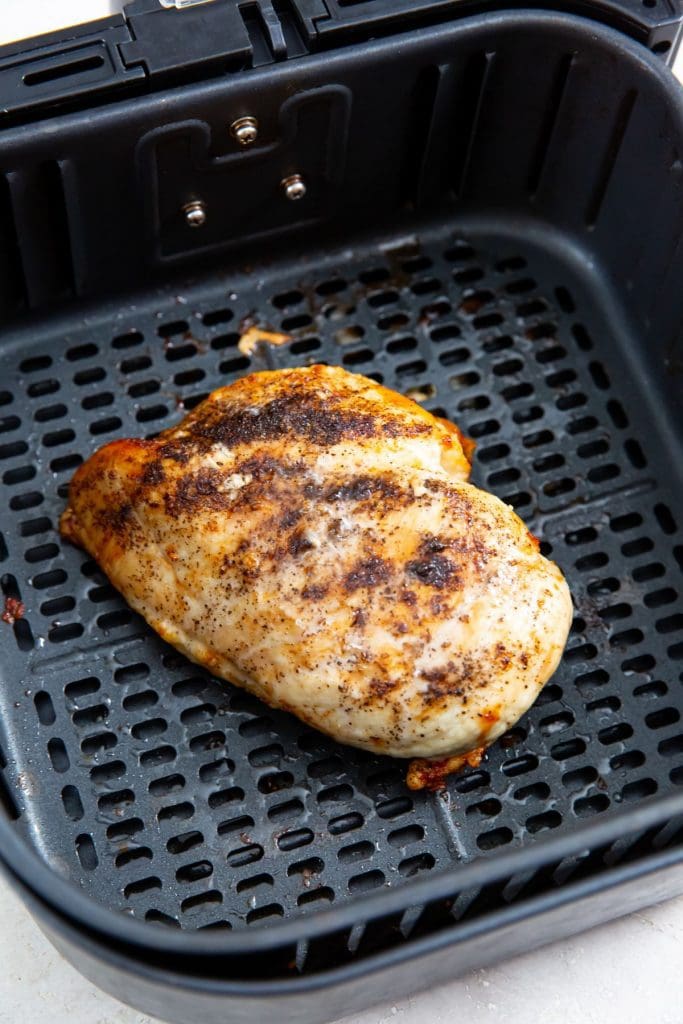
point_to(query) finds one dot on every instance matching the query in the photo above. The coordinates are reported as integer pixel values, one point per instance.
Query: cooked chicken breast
(311, 536)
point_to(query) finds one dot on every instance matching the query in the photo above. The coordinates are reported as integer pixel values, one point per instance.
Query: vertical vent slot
(7, 801)
(42, 232)
(467, 110)
(610, 158)
(12, 291)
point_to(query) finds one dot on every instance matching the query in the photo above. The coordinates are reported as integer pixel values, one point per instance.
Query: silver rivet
(195, 213)
(245, 130)
(294, 187)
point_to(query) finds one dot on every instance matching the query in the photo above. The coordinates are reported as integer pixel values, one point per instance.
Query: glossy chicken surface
(310, 536)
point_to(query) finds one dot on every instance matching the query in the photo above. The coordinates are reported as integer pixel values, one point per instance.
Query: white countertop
(629, 970)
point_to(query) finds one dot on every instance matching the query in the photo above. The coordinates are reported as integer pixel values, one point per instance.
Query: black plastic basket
(493, 224)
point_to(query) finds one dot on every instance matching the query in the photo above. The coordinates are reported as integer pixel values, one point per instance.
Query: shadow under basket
(494, 226)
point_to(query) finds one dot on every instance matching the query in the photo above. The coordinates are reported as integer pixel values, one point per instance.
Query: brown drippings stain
(254, 336)
(14, 609)
(424, 773)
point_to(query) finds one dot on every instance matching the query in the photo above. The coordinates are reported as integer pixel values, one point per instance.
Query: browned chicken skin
(310, 536)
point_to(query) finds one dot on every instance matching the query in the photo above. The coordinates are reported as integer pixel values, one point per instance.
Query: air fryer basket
(494, 226)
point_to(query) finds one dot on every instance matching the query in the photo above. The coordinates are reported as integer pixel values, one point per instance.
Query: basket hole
(194, 872)
(405, 344)
(144, 387)
(468, 276)
(116, 802)
(254, 882)
(148, 729)
(73, 806)
(44, 708)
(104, 774)
(445, 332)
(44, 415)
(543, 822)
(261, 913)
(176, 812)
(296, 323)
(167, 784)
(217, 316)
(85, 850)
(403, 837)
(131, 856)
(661, 718)
(345, 823)
(223, 341)
(568, 749)
(232, 795)
(140, 701)
(131, 673)
(671, 747)
(383, 298)
(288, 299)
(157, 917)
(499, 344)
(355, 852)
(141, 885)
(586, 806)
(98, 743)
(528, 415)
(90, 716)
(615, 733)
(644, 573)
(488, 808)
(615, 612)
(412, 866)
(651, 691)
(326, 766)
(393, 321)
(239, 824)
(556, 723)
(617, 414)
(394, 808)
(157, 756)
(273, 782)
(243, 855)
(29, 499)
(453, 356)
(216, 770)
(665, 519)
(283, 811)
(374, 276)
(495, 838)
(49, 579)
(198, 714)
(638, 790)
(484, 428)
(582, 425)
(184, 842)
(38, 389)
(213, 740)
(201, 901)
(627, 760)
(323, 894)
(467, 783)
(123, 830)
(367, 881)
(578, 778)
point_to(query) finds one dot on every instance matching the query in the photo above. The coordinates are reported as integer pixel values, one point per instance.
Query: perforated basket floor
(182, 800)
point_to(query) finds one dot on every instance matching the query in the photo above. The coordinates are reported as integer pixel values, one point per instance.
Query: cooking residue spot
(255, 335)
(14, 609)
